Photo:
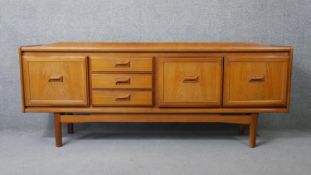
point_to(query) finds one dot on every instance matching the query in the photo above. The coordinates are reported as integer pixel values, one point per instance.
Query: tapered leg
(252, 131)
(242, 129)
(70, 128)
(57, 130)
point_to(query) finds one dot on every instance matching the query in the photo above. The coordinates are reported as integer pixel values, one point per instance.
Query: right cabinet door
(255, 81)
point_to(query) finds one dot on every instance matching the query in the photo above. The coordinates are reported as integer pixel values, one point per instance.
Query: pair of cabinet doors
(223, 81)
(207, 81)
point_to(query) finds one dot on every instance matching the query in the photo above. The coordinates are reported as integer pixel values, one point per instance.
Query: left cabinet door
(55, 81)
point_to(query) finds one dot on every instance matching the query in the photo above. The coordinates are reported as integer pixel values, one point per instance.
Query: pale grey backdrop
(23, 22)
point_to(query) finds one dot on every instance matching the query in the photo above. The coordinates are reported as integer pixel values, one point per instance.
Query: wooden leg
(57, 130)
(242, 129)
(252, 131)
(70, 128)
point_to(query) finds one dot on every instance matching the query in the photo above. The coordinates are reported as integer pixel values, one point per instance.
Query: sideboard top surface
(153, 47)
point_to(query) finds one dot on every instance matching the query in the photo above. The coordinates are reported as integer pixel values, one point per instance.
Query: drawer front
(121, 64)
(51, 81)
(121, 98)
(190, 81)
(135, 81)
(256, 81)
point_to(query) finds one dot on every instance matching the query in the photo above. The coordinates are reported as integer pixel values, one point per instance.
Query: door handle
(123, 97)
(190, 79)
(123, 64)
(257, 78)
(122, 80)
(58, 78)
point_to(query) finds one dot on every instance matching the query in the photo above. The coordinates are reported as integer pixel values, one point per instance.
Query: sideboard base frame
(70, 119)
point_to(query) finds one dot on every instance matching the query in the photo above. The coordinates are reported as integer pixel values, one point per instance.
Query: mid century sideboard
(156, 82)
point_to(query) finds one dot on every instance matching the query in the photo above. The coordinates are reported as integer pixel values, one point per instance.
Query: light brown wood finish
(51, 81)
(256, 81)
(123, 64)
(121, 98)
(58, 130)
(155, 55)
(252, 131)
(236, 119)
(21, 72)
(156, 82)
(245, 119)
(155, 47)
(189, 81)
(122, 81)
(157, 110)
(289, 77)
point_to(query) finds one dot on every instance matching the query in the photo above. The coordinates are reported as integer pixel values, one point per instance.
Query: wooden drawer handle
(123, 80)
(123, 97)
(191, 79)
(123, 64)
(257, 78)
(56, 78)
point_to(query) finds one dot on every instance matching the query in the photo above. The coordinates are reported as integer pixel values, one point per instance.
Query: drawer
(121, 64)
(256, 81)
(192, 82)
(55, 81)
(135, 81)
(121, 98)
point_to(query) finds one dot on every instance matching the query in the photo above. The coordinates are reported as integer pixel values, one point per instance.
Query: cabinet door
(54, 81)
(189, 82)
(255, 81)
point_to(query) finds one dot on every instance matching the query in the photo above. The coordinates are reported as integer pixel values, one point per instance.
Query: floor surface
(156, 152)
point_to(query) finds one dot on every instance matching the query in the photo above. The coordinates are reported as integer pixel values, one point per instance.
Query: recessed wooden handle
(123, 97)
(123, 80)
(123, 64)
(58, 78)
(257, 78)
(191, 79)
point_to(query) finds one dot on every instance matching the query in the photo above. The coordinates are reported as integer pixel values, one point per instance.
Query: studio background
(280, 22)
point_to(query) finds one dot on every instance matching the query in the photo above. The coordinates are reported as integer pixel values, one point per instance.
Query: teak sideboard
(156, 82)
